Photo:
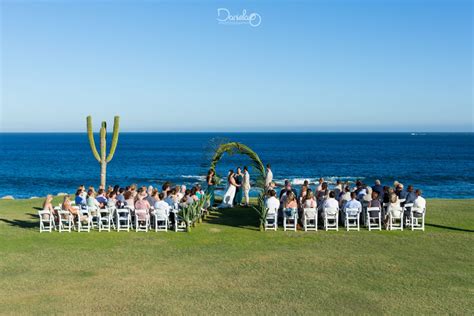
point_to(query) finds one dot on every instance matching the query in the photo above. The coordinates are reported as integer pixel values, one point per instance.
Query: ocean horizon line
(417, 133)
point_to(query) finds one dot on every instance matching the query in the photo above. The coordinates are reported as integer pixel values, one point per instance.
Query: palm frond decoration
(261, 209)
(239, 148)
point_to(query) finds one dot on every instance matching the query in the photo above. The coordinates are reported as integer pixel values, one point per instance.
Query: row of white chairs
(108, 219)
(396, 219)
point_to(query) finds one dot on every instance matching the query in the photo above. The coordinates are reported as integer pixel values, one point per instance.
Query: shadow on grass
(20, 223)
(241, 217)
(450, 228)
(25, 224)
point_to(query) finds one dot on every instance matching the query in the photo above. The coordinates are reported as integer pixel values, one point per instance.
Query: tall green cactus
(103, 158)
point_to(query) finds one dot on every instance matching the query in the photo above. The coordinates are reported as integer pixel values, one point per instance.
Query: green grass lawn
(225, 265)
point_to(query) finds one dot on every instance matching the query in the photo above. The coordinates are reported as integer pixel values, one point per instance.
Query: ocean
(441, 164)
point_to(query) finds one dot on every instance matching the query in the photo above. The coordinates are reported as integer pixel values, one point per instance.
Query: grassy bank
(225, 265)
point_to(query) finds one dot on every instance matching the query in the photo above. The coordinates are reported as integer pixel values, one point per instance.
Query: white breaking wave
(199, 178)
(328, 179)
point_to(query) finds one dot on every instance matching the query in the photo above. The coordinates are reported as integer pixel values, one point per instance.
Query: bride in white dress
(228, 199)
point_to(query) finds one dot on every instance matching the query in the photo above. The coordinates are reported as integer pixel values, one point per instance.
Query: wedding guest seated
(111, 199)
(401, 193)
(79, 199)
(193, 194)
(331, 201)
(338, 189)
(291, 205)
(91, 188)
(91, 200)
(392, 206)
(199, 191)
(83, 190)
(133, 189)
(283, 199)
(323, 194)
(353, 203)
(142, 205)
(180, 193)
(420, 201)
(346, 196)
(320, 185)
(287, 189)
(66, 206)
(272, 202)
(161, 204)
(303, 192)
(386, 194)
(48, 206)
(173, 198)
(367, 197)
(129, 199)
(152, 197)
(149, 191)
(120, 198)
(358, 186)
(361, 193)
(411, 196)
(375, 202)
(378, 188)
(116, 188)
(187, 199)
(101, 198)
(166, 188)
(141, 202)
(309, 201)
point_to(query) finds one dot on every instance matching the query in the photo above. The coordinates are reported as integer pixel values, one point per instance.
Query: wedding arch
(238, 148)
(232, 148)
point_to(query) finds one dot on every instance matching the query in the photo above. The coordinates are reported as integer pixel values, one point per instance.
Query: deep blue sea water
(442, 165)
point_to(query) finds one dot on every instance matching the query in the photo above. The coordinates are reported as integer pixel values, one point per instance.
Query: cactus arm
(91, 138)
(114, 138)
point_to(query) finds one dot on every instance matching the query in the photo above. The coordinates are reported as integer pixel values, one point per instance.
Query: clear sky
(170, 66)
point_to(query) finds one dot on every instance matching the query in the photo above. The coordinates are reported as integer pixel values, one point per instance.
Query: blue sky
(170, 66)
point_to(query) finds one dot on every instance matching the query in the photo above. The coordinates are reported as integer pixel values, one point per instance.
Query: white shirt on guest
(420, 202)
(162, 205)
(331, 203)
(272, 204)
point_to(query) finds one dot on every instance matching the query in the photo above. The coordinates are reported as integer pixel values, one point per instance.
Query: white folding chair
(395, 218)
(123, 219)
(66, 221)
(84, 221)
(94, 214)
(374, 220)
(105, 218)
(290, 221)
(310, 219)
(142, 220)
(331, 217)
(417, 215)
(46, 221)
(161, 218)
(407, 213)
(179, 223)
(271, 221)
(352, 220)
